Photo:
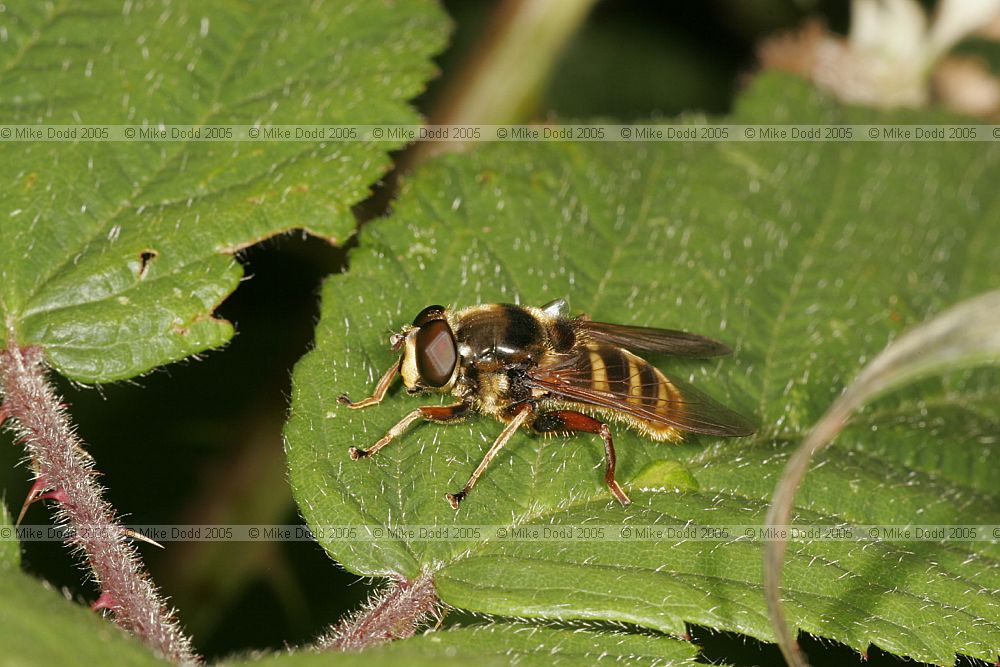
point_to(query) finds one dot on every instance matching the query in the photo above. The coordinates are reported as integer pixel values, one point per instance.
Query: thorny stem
(393, 613)
(38, 419)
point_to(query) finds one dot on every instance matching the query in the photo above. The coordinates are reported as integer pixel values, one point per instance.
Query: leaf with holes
(808, 258)
(113, 255)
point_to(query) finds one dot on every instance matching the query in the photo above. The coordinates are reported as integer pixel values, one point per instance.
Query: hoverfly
(541, 369)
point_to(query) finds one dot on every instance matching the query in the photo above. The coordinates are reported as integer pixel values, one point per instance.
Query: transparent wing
(647, 339)
(684, 408)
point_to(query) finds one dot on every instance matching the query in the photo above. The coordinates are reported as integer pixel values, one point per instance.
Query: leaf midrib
(476, 549)
(799, 594)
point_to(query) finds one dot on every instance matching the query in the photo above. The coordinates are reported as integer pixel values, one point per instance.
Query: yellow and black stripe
(629, 377)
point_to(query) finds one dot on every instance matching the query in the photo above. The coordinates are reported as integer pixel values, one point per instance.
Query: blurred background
(200, 441)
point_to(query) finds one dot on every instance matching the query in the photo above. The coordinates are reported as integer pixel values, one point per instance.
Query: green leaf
(964, 336)
(113, 255)
(31, 610)
(10, 549)
(505, 644)
(808, 258)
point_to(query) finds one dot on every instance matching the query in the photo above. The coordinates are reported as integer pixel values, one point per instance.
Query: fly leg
(434, 413)
(380, 389)
(569, 421)
(523, 411)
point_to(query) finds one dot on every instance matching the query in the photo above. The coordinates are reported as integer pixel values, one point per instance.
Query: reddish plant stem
(392, 613)
(39, 420)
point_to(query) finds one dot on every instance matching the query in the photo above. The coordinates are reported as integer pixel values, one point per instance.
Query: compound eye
(428, 314)
(436, 353)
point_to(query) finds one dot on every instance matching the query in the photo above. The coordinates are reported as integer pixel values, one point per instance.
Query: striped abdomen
(636, 382)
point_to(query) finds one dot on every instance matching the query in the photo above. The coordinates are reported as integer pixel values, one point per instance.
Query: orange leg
(434, 413)
(456, 498)
(380, 389)
(568, 421)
